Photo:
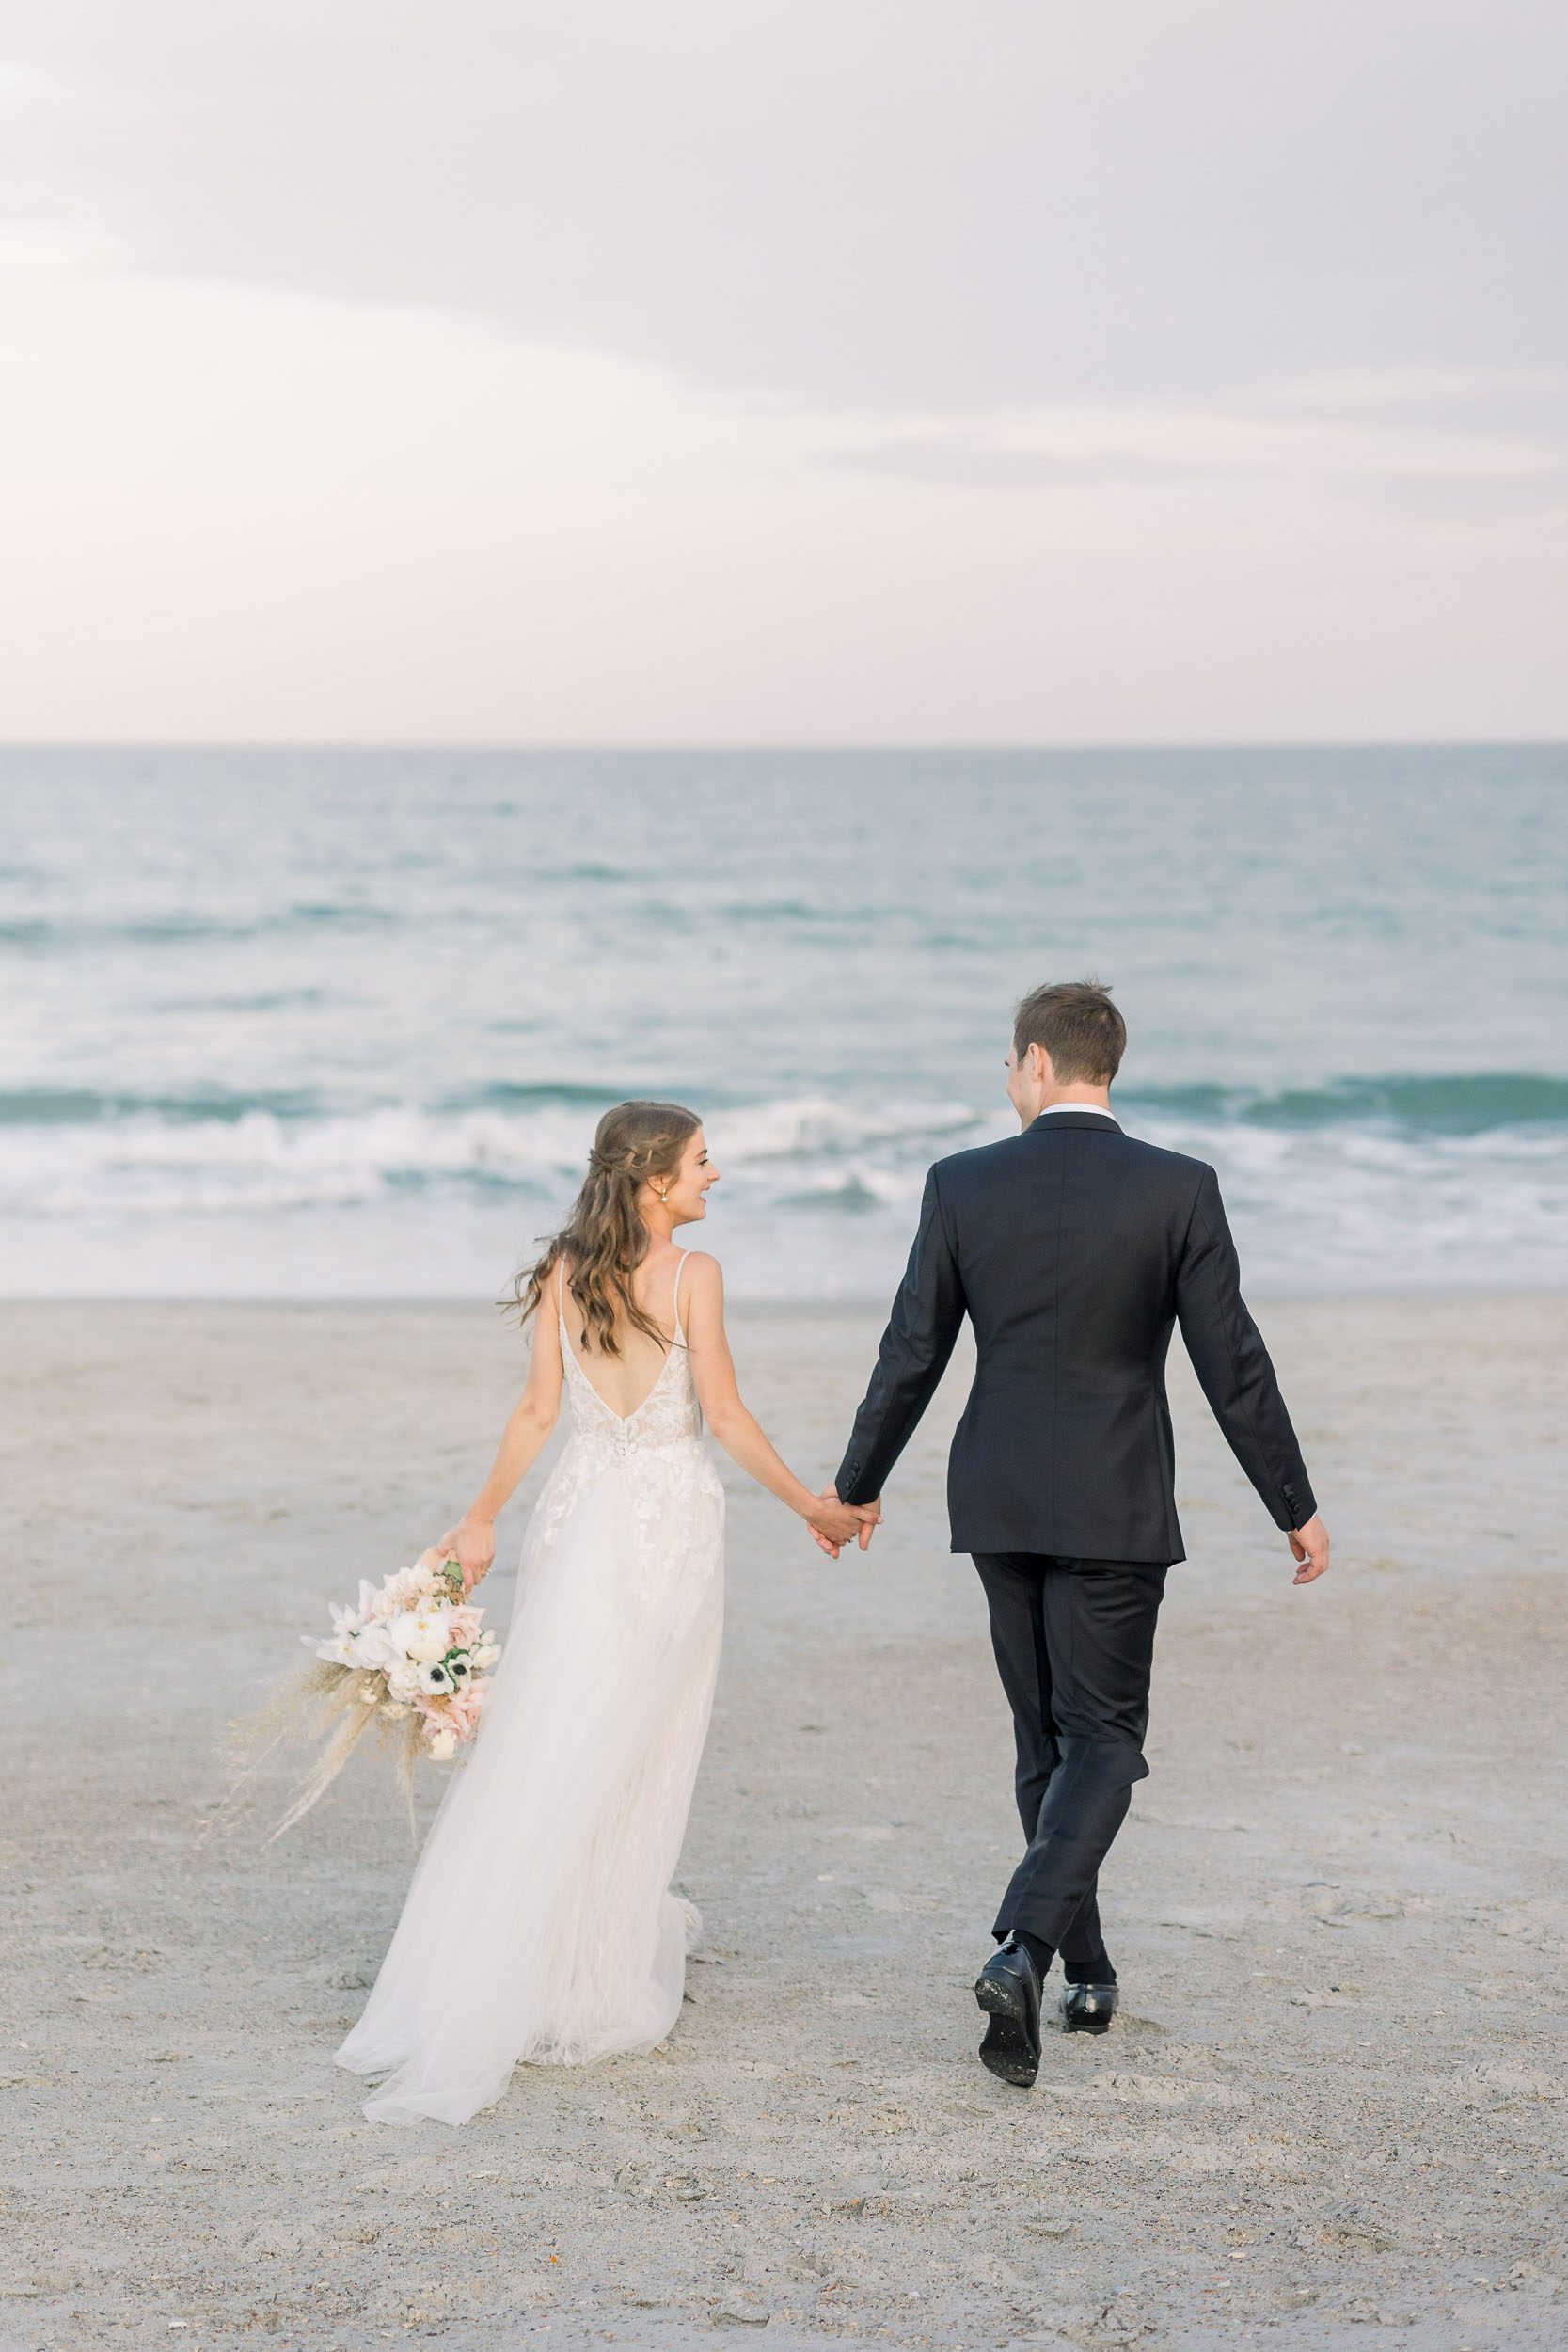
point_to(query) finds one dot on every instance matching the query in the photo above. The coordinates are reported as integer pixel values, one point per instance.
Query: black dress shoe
(1087, 2007)
(1008, 1990)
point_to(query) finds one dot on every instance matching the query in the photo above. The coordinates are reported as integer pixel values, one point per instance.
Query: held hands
(1309, 1550)
(472, 1544)
(833, 1524)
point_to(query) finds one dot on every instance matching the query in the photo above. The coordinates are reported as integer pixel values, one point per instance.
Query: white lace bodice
(669, 1415)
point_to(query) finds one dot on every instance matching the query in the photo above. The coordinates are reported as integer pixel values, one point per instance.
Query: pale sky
(773, 370)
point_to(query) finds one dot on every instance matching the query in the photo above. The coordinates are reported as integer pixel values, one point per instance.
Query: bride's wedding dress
(540, 1923)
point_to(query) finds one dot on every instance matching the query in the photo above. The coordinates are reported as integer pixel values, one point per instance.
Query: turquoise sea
(330, 1024)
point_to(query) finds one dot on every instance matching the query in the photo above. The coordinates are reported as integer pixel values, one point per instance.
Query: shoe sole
(1086, 2025)
(1007, 2050)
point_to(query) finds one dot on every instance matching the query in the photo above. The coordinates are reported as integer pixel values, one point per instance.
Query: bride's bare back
(628, 1379)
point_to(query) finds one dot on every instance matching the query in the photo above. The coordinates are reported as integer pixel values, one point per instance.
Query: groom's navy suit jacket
(1073, 1249)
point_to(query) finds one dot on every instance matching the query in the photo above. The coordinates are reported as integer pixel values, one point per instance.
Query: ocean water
(338, 1024)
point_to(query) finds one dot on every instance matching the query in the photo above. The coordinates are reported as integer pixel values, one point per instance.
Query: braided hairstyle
(604, 1240)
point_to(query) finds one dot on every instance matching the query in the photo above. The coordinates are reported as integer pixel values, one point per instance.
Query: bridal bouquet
(410, 1658)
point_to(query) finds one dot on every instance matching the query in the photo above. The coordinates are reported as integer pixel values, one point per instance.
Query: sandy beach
(1331, 2112)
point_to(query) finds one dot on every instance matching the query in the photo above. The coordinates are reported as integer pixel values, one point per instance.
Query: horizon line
(816, 745)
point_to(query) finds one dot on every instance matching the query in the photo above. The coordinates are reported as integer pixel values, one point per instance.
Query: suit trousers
(1074, 1643)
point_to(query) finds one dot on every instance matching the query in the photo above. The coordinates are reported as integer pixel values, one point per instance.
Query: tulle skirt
(539, 1924)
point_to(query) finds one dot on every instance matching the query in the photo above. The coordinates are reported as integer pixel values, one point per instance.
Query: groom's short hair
(1077, 1024)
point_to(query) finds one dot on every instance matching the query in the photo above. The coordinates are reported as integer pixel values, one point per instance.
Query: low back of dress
(667, 1415)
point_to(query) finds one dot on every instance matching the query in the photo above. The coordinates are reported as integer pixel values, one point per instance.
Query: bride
(540, 1923)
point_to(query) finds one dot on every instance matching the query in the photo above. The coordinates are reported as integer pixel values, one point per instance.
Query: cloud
(1530, 493)
(904, 206)
(904, 371)
(1412, 444)
(961, 459)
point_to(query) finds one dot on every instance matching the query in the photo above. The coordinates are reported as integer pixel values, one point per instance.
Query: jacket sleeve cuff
(1299, 1503)
(848, 1480)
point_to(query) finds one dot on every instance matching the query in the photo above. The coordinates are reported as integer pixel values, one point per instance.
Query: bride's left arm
(737, 1431)
(523, 1439)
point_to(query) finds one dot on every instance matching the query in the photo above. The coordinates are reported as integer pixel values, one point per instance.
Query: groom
(1073, 1249)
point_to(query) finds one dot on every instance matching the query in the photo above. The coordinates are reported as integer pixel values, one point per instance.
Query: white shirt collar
(1092, 1108)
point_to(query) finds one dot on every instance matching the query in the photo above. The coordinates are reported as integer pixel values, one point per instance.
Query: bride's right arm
(523, 1439)
(737, 1431)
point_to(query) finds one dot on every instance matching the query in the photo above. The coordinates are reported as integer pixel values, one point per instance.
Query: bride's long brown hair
(604, 1240)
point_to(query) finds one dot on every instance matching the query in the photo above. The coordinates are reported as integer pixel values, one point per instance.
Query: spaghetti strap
(675, 1300)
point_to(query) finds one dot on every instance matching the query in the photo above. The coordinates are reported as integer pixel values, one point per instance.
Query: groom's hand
(1309, 1550)
(870, 1516)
